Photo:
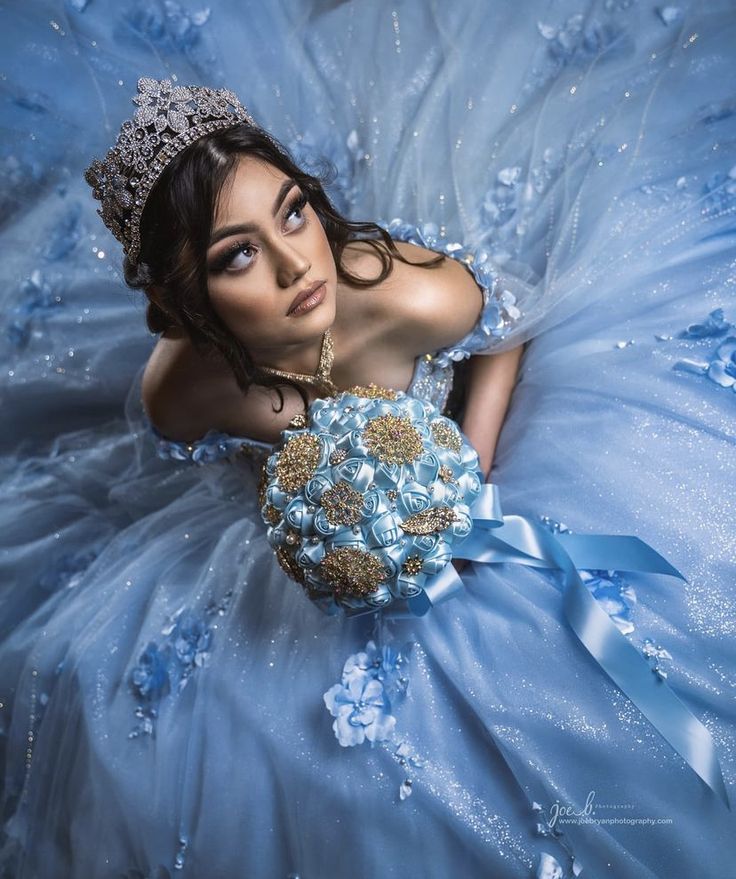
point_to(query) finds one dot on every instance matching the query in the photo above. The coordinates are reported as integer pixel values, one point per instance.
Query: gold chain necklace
(321, 378)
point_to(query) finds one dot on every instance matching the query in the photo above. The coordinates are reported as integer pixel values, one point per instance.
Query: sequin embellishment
(430, 521)
(373, 392)
(298, 461)
(393, 439)
(289, 565)
(343, 505)
(445, 474)
(352, 571)
(413, 565)
(446, 436)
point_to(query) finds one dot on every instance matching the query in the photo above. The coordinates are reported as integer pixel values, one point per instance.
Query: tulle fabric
(610, 251)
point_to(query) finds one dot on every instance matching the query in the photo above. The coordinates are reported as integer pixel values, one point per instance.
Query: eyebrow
(240, 228)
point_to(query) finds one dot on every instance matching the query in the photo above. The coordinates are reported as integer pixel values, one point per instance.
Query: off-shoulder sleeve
(500, 312)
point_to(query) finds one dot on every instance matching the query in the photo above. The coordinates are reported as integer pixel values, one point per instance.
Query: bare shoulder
(179, 388)
(363, 260)
(432, 307)
(185, 395)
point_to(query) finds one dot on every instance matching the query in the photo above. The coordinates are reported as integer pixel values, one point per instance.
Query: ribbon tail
(615, 552)
(618, 657)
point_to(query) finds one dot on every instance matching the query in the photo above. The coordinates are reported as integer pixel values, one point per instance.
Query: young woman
(170, 702)
(256, 231)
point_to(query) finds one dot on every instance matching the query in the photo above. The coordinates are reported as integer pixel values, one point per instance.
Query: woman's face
(267, 248)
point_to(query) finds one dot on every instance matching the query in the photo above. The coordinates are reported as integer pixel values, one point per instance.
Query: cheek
(245, 314)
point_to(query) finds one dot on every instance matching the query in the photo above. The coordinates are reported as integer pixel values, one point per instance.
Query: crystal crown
(168, 119)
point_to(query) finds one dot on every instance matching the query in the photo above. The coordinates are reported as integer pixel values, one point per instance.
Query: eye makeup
(221, 263)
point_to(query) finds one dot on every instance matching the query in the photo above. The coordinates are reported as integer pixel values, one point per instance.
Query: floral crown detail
(168, 119)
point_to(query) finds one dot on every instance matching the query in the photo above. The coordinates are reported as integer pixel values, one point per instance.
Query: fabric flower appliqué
(213, 446)
(614, 594)
(165, 667)
(362, 702)
(609, 588)
(720, 367)
(714, 325)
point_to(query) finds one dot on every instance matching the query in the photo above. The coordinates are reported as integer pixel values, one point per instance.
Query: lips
(304, 294)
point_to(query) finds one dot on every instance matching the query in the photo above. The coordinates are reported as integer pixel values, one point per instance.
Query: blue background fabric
(161, 680)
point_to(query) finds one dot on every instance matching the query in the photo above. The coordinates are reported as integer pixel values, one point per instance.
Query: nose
(291, 264)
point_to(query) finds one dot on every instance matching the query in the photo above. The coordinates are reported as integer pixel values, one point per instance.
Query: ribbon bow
(496, 538)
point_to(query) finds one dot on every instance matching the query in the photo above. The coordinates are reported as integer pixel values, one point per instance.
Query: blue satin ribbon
(496, 538)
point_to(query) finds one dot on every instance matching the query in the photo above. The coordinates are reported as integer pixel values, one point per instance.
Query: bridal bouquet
(365, 502)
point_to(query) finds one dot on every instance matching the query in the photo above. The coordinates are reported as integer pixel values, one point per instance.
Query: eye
(295, 212)
(235, 259)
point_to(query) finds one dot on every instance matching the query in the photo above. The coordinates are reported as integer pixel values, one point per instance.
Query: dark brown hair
(176, 228)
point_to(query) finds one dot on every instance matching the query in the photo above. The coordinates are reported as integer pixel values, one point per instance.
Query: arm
(446, 311)
(490, 384)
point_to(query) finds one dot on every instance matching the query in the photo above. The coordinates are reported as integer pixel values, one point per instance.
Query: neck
(302, 357)
(318, 377)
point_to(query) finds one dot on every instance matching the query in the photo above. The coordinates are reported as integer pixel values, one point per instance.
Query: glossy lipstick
(308, 299)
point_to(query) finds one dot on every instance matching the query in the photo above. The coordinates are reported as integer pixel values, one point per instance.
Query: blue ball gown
(163, 687)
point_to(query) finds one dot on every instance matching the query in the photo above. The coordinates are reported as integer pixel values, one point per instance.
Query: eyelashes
(222, 262)
(299, 202)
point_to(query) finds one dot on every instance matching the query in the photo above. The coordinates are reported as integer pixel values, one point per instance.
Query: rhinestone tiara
(168, 119)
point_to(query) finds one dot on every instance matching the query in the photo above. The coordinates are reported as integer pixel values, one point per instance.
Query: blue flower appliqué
(720, 368)
(615, 596)
(609, 588)
(361, 702)
(213, 446)
(39, 297)
(714, 325)
(719, 192)
(166, 667)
